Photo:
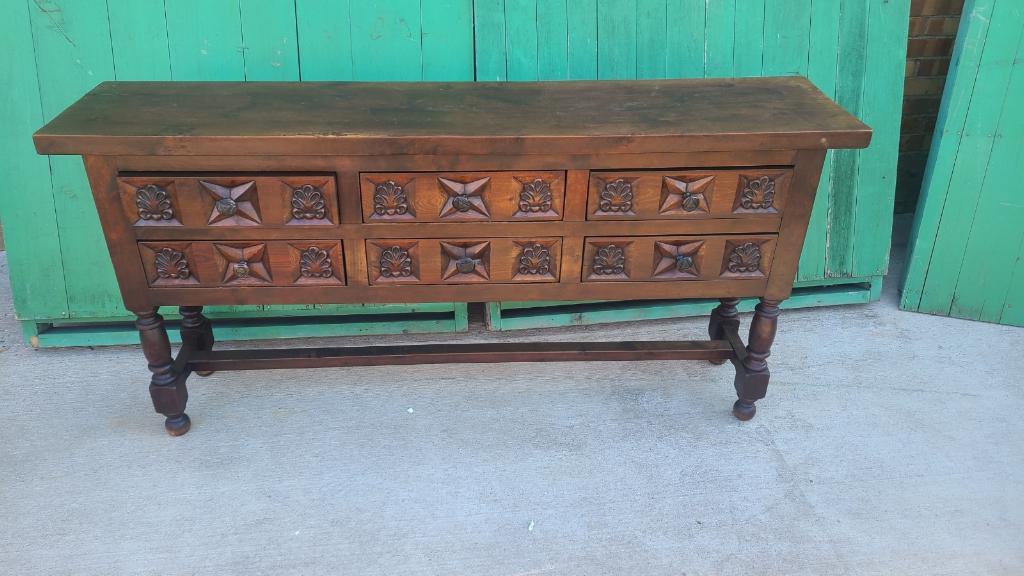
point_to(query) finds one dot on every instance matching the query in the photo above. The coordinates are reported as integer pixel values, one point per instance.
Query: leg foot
(744, 410)
(203, 373)
(177, 425)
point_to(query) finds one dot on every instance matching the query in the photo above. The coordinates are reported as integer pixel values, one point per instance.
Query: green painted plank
(447, 32)
(686, 38)
(552, 40)
(489, 34)
(821, 69)
(205, 40)
(609, 312)
(1013, 308)
(324, 39)
(991, 249)
(787, 38)
(842, 202)
(882, 110)
(651, 39)
(27, 206)
(720, 39)
(270, 46)
(386, 40)
(956, 101)
(74, 53)
(521, 39)
(750, 29)
(582, 18)
(972, 158)
(138, 36)
(616, 39)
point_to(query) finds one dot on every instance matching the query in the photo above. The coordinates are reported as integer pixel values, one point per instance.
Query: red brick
(932, 67)
(918, 26)
(923, 86)
(929, 47)
(911, 69)
(921, 105)
(942, 26)
(936, 7)
(917, 124)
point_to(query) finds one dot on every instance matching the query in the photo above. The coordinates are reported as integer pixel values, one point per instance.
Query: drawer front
(463, 260)
(242, 264)
(667, 195)
(226, 201)
(676, 258)
(462, 196)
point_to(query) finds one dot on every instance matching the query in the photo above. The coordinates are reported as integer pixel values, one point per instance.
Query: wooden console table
(308, 193)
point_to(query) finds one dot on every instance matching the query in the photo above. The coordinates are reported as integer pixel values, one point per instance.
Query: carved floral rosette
(308, 203)
(395, 262)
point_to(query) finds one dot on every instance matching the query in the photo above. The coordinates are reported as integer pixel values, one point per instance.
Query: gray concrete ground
(890, 443)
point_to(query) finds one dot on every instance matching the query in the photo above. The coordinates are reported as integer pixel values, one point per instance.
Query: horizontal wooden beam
(457, 354)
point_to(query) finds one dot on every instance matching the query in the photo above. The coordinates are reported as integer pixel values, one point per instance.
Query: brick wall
(933, 26)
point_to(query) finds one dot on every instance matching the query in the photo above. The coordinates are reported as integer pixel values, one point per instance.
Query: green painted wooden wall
(967, 244)
(58, 49)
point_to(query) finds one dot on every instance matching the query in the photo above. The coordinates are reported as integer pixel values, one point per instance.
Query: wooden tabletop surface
(235, 118)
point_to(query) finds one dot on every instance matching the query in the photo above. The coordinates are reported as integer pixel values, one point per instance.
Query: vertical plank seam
(423, 62)
(241, 36)
(298, 42)
(110, 37)
(49, 159)
(472, 27)
(167, 37)
(706, 3)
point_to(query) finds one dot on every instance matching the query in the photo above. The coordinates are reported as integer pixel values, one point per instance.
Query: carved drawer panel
(676, 258)
(462, 196)
(241, 264)
(463, 260)
(199, 200)
(666, 195)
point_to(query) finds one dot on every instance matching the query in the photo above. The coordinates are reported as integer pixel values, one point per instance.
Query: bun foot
(743, 410)
(177, 425)
(203, 373)
(718, 362)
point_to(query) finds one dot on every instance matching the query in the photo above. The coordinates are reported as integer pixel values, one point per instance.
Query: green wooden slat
(386, 40)
(552, 40)
(27, 206)
(324, 39)
(748, 55)
(787, 25)
(991, 249)
(720, 40)
(853, 19)
(881, 109)
(1013, 308)
(73, 40)
(582, 18)
(138, 36)
(616, 39)
(956, 102)
(972, 158)
(489, 34)
(651, 39)
(447, 39)
(821, 69)
(270, 44)
(686, 38)
(521, 39)
(205, 40)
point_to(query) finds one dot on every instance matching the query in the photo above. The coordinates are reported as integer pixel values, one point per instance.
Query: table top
(444, 118)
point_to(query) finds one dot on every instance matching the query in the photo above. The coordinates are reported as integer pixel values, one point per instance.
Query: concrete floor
(890, 443)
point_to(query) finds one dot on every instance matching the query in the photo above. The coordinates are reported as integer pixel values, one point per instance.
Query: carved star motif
(685, 196)
(464, 198)
(235, 203)
(466, 260)
(244, 263)
(677, 259)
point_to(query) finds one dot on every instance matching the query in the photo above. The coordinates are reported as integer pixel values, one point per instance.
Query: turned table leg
(166, 387)
(752, 373)
(196, 330)
(724, 312)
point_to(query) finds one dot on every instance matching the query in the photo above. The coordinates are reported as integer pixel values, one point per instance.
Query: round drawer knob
(226, 207)
(465, 265)
(462, 203)
(241, 269)
(690, 202)
(684, 263)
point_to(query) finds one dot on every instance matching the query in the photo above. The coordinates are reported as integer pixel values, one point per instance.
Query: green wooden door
(58, 50)
(967, 245)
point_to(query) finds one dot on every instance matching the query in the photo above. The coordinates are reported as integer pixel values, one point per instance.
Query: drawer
(218, 200)
(462, 196)
(463, 260)
(667, 195)
(241, 264)
(676, 258)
